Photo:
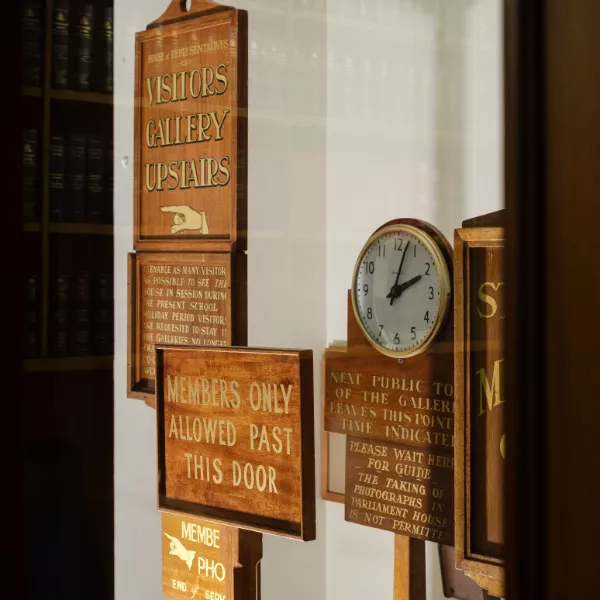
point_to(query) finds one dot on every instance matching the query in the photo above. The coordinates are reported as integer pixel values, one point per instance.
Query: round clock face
(401, 290)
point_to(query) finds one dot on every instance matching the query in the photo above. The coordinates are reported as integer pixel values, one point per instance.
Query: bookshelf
(65, 112)
(65, 259)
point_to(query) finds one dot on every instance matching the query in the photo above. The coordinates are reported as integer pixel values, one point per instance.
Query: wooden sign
(183, 299)
(236, 437)
(209, 561)
(400, 489)
(480, 420)
(191, 130)
(372, 396)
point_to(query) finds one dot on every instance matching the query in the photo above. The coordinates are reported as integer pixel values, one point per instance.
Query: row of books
(82, 45)
(80, 315)
(80, 178)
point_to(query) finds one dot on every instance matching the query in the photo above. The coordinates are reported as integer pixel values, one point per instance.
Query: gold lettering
(492, 391)
(487, 299)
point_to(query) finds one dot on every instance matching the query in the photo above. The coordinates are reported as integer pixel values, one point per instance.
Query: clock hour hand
(397, 290)
(391, 295)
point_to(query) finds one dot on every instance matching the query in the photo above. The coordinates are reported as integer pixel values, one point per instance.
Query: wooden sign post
(236, 438)
(405, 486)
(480, 424)
(209, 561)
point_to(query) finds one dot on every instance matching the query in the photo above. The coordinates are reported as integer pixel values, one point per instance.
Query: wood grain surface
(236, 437)
(208, 560)
(409, 569)
(370, 395)
(479, 409)
(186, 299)
(191, 130)
(401, 489)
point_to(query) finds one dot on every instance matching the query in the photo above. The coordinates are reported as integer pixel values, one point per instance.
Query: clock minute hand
(392, 296)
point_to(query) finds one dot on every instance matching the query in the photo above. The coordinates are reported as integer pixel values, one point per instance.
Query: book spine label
(57, 179)
(60, 44)
(84, 48)
(30, 175)
(76, 177)
(32, 43)
(95, 180)
(108, 49)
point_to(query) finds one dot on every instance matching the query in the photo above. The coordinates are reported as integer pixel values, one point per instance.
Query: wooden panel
(553, 145)
(236, 437)
(479, 409)
(207, 560)
(191, 130)
(400, 489)
(186, 299)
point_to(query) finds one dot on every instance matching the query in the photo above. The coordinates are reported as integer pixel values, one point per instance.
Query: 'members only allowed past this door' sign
(236, 437)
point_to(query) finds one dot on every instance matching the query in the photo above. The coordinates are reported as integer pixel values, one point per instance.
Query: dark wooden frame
(237, 237)
(488, 571)
(304, 530)
(237, 312)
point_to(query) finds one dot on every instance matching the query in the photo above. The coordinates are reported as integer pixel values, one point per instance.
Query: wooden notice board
(400, 489)
(194, 299)
(206, 560)
(480, 418)
(236, 437)
(191, 130)
(403, 411)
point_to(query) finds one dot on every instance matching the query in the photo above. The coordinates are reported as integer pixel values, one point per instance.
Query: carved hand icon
(185, 218)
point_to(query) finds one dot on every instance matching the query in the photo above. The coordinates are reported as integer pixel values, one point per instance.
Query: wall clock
(401, 288)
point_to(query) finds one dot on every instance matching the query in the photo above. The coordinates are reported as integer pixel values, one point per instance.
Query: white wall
(405, 122)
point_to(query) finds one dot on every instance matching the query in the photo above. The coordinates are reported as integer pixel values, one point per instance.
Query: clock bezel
(445, 287)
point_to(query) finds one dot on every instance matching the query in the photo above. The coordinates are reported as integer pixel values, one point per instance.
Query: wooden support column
(409, 569)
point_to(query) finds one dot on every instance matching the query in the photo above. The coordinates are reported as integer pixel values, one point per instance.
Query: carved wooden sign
(184, 299)
(400, 489)
(209, 561)
(236, 438)
(190, 130)
(480, 423)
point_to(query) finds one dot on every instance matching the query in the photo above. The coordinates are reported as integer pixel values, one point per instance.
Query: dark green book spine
(108, 49)
(32, 317)
(103, 315)
(57, 179)
(76, 177)
(95, 202)
(59, 324)
(85, 26)
(32, 43)
(80, 329)
(60, 44)
(30, 175)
